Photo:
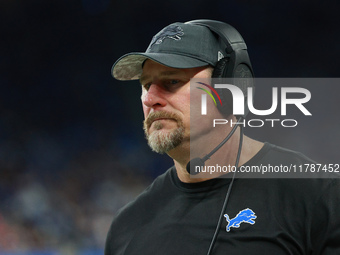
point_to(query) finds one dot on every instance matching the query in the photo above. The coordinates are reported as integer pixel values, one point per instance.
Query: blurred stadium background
(72, 149)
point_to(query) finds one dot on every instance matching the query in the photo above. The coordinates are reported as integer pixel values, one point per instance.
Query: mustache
(160, 114)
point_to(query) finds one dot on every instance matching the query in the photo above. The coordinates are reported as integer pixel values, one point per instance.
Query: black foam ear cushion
(220, 68)
(239, 77)
(220, 71)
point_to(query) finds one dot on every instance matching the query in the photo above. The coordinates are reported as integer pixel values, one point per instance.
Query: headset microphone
(196, 162)
(200, 162)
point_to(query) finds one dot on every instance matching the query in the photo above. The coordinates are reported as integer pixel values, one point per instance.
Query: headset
(234, 65)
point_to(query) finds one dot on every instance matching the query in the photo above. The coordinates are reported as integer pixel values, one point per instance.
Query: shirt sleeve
(325, 221)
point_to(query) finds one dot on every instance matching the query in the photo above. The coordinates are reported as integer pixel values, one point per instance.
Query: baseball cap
(178, 45)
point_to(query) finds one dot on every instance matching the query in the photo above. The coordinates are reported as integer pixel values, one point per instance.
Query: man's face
(166, 104)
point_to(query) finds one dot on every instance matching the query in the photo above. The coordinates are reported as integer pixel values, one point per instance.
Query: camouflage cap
(179, 45)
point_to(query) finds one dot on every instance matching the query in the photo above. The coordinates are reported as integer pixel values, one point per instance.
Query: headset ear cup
(220, 68)
(220, 72)
(234, 69)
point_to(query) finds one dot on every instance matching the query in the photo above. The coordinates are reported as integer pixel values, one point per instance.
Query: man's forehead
(155, 69)
(161, 74)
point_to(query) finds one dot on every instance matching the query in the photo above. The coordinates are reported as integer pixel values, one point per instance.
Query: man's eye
(172, 85)
(174, 82)
(147, 86)
(169, 83)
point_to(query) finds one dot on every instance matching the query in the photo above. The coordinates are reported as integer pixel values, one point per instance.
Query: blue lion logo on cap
(172, 31)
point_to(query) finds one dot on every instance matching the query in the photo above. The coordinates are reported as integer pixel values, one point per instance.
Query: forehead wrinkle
(162, 74)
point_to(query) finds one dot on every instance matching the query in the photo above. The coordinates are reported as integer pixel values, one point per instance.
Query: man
(179, 214)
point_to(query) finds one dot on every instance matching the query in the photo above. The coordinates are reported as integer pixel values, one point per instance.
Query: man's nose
(154, 97)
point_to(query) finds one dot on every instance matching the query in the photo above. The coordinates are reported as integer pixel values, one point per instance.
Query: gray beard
(162, 141)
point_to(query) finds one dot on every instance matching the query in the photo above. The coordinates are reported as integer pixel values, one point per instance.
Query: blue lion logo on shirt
(246, 215)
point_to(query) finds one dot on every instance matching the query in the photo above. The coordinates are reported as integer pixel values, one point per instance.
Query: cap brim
(129, 66)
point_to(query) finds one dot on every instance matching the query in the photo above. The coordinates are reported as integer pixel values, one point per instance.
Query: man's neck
(225, 156)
